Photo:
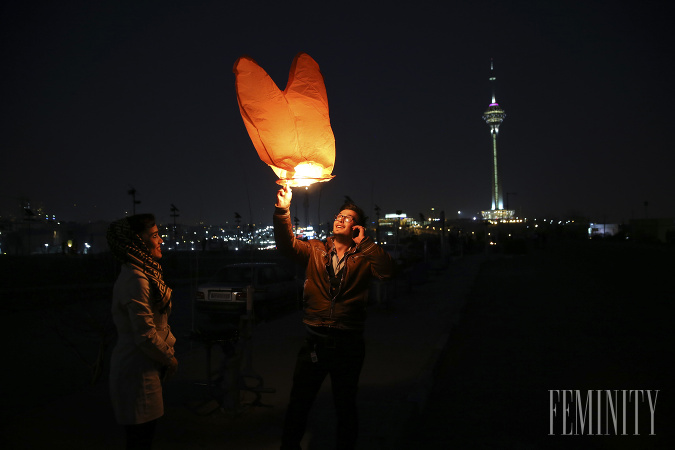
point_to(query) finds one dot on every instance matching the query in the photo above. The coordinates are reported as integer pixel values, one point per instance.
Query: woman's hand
(173, 366)
(171, 369)
(284, 196)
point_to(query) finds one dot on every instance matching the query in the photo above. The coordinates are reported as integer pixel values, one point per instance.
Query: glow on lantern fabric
(290, 129)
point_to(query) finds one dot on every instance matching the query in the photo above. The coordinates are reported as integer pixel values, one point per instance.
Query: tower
(494, 116)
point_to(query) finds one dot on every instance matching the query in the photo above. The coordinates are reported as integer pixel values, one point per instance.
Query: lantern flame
(306, 174)
(290, 130)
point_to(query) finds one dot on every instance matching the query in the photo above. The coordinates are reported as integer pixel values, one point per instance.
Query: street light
(135, 202)
(174, 210)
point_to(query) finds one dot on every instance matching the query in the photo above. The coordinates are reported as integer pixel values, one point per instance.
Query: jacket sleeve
(142, 321)
(380, 261)
(286, 242)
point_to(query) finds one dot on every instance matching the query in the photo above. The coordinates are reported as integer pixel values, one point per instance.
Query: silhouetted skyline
(100, 98)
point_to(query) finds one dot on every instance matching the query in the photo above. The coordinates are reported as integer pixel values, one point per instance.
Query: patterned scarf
(128, 247)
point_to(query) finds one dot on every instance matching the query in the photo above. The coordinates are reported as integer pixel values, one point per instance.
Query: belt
(330, 337)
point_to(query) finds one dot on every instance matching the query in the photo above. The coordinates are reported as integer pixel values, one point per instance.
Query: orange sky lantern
(290, 129)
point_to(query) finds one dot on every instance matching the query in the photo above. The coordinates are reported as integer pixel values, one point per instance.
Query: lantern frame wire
(295, 182)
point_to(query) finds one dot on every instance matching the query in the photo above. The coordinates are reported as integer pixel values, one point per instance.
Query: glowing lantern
(290, 130)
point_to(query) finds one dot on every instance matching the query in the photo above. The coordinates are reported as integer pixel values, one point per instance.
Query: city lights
(43, 236)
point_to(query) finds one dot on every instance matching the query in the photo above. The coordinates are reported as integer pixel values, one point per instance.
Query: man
(338, 275)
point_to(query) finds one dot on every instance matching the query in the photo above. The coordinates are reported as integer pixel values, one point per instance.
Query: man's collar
(331, 245)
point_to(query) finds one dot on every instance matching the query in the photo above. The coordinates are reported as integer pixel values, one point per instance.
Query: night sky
(100, 97)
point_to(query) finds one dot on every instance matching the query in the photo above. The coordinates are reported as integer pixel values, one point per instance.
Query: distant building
(661, 230)
(603, 229)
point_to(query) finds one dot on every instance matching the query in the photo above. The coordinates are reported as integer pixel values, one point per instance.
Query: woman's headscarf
(128, 247)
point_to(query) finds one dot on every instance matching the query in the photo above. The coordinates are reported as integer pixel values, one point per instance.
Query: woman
(144, 353)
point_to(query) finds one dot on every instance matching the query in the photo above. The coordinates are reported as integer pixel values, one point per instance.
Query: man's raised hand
(284, 196)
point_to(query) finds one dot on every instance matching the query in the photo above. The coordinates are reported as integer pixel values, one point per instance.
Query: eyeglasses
(347, 219)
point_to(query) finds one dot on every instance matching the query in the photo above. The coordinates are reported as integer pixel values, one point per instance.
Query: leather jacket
(345, 310)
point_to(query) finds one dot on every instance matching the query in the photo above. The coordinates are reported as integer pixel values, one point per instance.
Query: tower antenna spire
(493, 79)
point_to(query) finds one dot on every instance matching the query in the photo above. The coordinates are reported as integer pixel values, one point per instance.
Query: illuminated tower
(494, 116)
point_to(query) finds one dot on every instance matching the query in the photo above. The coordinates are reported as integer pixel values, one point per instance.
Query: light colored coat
(144, 348)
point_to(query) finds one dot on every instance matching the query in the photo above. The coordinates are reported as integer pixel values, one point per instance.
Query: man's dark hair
(141, 222)
(361, 219)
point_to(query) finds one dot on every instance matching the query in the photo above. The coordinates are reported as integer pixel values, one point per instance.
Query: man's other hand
(359, 234)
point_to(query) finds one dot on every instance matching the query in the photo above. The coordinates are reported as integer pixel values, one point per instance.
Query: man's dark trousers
(341, 356)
